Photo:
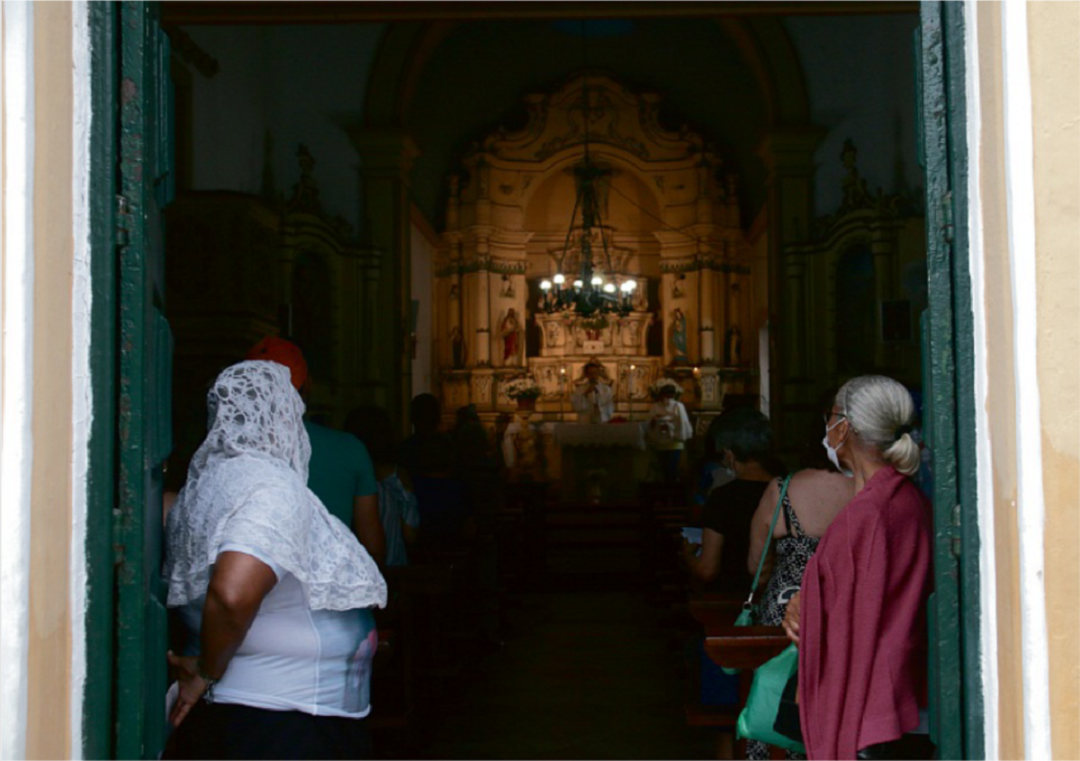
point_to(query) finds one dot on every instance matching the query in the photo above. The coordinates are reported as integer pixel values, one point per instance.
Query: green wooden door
(143, 424)
(948, 370)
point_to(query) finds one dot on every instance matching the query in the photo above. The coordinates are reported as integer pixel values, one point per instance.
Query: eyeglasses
(830, 415)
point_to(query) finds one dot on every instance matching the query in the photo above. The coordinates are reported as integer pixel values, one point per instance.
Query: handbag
(758, 719)
(746, 616)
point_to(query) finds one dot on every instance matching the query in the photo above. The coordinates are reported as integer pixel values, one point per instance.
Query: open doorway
(295, 214)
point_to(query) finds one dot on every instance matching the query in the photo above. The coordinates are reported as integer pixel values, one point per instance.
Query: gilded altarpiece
(669, 219)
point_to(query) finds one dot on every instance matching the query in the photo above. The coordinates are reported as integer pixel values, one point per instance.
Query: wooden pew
(738, 647)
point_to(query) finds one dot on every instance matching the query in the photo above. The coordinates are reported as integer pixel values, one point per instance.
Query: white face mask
(831, 451)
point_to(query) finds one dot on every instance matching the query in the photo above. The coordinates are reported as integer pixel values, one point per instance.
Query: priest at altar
(592, 397)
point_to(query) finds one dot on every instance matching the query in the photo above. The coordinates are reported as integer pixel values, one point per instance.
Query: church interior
(400, 192)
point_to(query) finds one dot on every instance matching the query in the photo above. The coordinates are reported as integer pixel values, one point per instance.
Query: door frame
(957, 701)
(952, 362)
(98, 699)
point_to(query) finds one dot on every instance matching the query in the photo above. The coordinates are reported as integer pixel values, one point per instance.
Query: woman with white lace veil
(274, 592)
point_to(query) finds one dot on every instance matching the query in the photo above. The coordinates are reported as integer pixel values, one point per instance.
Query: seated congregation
(328, 586)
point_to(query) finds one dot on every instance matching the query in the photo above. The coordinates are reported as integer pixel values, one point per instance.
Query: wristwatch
(208, 696)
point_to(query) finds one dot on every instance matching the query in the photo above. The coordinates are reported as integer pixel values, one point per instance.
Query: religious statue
(733, 347)
(592, 397)
(510, 332)
(855, 192)
(676, 288)
(640, 297)
(507, 289)
(457, 347)
(678, 335)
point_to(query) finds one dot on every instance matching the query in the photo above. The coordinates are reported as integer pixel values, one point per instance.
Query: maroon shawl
(862, 628)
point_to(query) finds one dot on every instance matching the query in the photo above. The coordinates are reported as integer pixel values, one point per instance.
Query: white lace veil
(247, 484)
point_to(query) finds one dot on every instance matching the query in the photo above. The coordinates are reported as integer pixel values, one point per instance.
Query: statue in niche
(733, 347)
(507, 288)
(306, 192)
(457, 347)
(855, 194)
(676, 287)
(510, 332)
(678, 335)
(640, 298)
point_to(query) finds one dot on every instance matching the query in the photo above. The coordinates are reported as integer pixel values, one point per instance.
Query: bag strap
(768, 541)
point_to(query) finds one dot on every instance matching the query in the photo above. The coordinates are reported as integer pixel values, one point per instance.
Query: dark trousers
(225, 731)
(910, 746)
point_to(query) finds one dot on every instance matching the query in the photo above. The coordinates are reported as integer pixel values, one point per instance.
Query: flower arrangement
(657, 389)
(598, 322)
(523, 387)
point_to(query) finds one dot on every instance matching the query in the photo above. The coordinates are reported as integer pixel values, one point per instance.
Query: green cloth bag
(758, 717)
(746, 617)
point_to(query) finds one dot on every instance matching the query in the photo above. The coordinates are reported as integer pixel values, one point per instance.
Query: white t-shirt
(294, 658)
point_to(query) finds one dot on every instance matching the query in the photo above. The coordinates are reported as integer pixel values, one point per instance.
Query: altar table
(601, 462)
(600, 435)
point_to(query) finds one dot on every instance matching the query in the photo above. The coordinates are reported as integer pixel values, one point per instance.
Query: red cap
(274, 349)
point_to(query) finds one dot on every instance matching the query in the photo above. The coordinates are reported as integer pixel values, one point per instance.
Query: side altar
(668, 219)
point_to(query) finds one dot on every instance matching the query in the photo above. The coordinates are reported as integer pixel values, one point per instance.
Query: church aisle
(585, 675)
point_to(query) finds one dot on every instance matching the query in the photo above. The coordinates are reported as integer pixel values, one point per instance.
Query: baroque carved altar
(669, 218)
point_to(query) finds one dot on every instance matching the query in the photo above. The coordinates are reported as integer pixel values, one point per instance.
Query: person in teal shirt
(340, 471)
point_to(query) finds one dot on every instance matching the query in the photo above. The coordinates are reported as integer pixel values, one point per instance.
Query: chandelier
(590, 293)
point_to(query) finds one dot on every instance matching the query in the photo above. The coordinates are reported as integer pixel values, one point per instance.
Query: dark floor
(585, 674)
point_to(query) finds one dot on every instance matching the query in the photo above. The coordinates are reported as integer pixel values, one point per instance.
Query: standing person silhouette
(592, 398)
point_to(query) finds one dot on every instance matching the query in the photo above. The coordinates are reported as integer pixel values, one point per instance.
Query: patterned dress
(793, 552)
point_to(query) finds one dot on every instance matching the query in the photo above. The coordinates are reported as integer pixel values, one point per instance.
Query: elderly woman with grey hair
(860, 619)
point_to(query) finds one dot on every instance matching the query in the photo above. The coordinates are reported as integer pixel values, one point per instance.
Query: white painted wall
(82, 408)
(1030, 507)
(423, 280)
(988, 658)
(16, 353)
(303, 84)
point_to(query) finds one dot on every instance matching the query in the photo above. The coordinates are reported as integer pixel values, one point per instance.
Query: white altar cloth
(600, 435)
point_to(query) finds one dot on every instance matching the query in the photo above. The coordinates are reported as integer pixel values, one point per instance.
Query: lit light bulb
(559, 278)
(632, 284)
(597, 280)
(609, 288)
(627, 286)
(579, 284)
(545, 285)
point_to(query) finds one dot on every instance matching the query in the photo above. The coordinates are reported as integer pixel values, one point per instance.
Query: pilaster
(386, 159)
(788, 155)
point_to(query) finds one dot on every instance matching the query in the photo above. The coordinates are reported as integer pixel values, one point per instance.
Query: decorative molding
(682, 266)
(191, 53)
(616, 116)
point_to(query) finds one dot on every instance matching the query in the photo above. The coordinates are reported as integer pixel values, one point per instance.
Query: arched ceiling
(448, 84)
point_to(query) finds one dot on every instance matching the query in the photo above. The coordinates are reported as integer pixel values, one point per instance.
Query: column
(386, 158)
(705, 308)
(788, 155)
(483, 306)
